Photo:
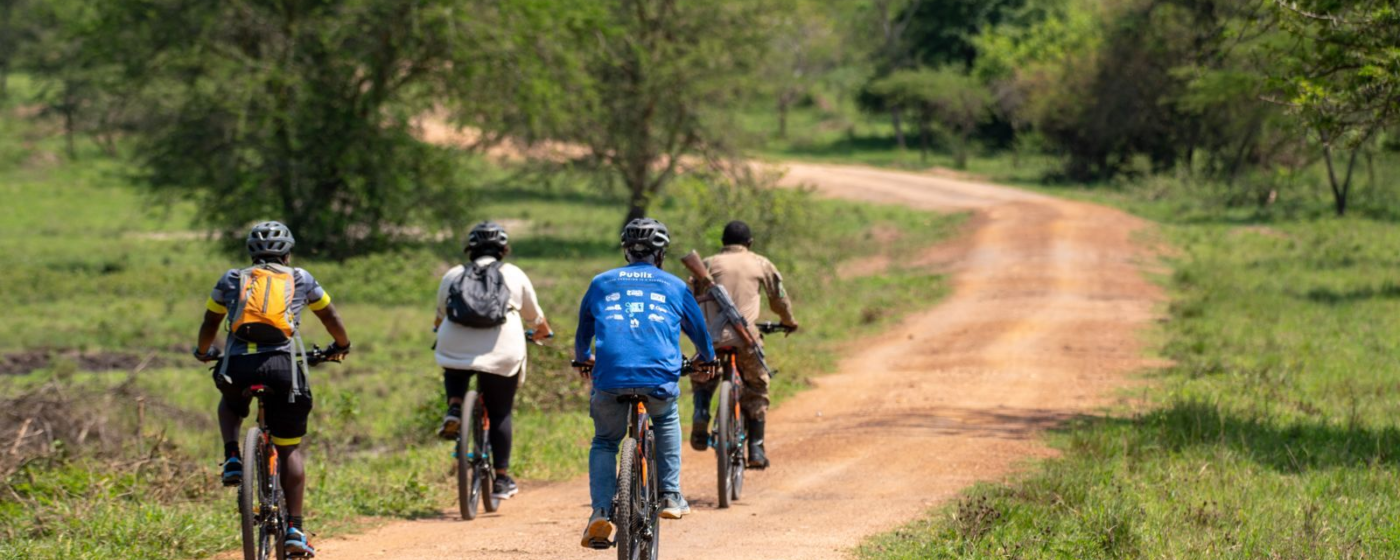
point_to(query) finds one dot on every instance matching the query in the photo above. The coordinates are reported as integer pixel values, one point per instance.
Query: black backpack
(480, 298)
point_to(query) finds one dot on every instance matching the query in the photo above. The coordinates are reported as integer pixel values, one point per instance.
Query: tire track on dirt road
(1042, 323)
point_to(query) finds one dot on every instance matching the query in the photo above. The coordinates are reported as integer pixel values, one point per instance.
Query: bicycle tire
(484, 471)
(248, 492)
(652, 505)
(468, 481)
(739, 434)
(724, 442)
(280, 533)
(624, 510)
(268, 514)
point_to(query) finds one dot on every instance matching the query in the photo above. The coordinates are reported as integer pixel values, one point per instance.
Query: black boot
(700, 434)
(700, 422)
(757, 458)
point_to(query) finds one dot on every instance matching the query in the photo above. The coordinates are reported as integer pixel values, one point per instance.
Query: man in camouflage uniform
(746, 275)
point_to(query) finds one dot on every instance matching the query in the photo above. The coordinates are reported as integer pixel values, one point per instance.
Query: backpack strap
(301, 365)
(299, 368)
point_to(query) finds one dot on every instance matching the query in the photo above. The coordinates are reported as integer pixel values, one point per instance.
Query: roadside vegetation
(108, 446)
(1271, 435)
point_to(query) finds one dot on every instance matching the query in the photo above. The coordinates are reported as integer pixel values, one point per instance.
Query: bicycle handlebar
(770, 327)
(318, 356)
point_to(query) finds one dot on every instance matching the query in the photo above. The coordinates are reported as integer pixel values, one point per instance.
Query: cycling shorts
(285, 420)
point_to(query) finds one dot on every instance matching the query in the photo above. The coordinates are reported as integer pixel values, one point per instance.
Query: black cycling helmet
(487, 236)
(736, 233)
(270, 239)
(644, 236)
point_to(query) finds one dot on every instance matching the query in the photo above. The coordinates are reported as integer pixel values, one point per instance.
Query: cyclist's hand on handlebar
(702, 371)
(335, 352)
(213, 354)
(791, 327)
(585, 369)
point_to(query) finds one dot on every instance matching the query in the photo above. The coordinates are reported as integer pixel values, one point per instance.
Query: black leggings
(498, 392)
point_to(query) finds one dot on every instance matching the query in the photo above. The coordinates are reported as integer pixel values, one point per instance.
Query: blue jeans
(609, 427)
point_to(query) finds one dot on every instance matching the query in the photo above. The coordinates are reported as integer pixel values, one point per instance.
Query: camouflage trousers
(754, 397)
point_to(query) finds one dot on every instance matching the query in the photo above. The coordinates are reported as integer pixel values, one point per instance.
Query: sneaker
(451, 426)
(674, 506)
(297, 545)
(504, 488)
(598, 533)
(700, 435)
(233, 471)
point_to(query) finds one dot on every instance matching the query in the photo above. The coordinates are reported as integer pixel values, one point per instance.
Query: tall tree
(298, 110)
(9, 42)
(894, 17)
(805, 44)
(947, 98)
(662, 77)
(1339, 73)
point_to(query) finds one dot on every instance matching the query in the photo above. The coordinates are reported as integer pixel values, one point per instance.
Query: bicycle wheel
(268, 514)
(248, 494)
(484, 471)
(468, 479)
(624, 509)
(279, 531)
(738, 459)
(651, 504)
(724, 442)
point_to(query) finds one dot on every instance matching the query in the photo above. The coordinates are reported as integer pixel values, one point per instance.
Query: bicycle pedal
(600, 545)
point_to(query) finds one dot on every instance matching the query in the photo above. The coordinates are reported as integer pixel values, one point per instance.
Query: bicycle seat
(255, 390)
(633, 396)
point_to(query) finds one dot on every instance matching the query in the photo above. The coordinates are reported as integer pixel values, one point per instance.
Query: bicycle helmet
(644, 236)
(270, 239)
(486, 236)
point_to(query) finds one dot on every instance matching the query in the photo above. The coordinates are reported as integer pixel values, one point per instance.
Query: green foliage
(805, 46)
(298, 111)
(946, 96)
(661, 77)
(1338, 71)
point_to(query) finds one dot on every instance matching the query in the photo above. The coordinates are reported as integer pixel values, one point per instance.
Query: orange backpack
(263, 312)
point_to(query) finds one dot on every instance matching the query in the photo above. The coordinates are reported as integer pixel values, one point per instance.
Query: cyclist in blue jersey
(629, 327)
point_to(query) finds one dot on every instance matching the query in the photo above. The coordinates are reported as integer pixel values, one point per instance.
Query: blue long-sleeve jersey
(637, 314)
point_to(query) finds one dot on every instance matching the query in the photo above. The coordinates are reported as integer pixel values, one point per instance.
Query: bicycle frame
(638, 424)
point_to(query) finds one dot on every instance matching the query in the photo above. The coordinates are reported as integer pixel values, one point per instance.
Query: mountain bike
(475, 475)
(261, 503)
(729, 438)
(637, 505)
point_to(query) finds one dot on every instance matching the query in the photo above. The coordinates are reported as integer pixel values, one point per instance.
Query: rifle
(720, 296)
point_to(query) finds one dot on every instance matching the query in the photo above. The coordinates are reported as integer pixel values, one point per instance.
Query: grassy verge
(1271, 436)
(845, 135)
(107, 286)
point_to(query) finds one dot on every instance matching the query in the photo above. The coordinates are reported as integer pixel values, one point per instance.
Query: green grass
(1272, 435)
(845, 135)
(97, 267)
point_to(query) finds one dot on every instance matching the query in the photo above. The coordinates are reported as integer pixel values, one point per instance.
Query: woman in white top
(496, 353)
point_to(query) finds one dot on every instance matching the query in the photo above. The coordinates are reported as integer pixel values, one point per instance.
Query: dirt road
(1042, 324)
